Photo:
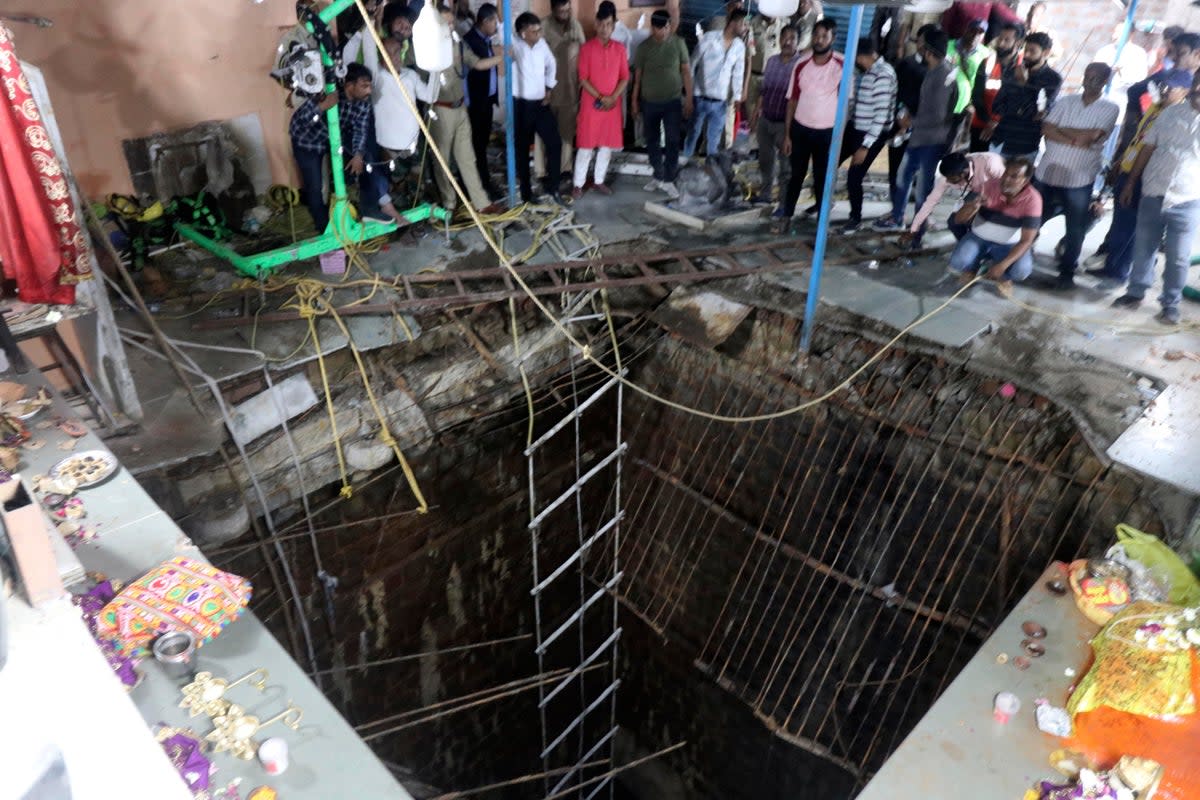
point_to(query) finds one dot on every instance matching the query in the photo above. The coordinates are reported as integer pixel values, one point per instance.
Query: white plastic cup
(273, 754)
(1006, 705)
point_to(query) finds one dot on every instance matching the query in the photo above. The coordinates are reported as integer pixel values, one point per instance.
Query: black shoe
(1127, 301)
(812, 210)
(1098, 272)
(1052, 283)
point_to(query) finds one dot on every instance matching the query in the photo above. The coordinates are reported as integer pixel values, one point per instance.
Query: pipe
(835, 147)
(510, 144)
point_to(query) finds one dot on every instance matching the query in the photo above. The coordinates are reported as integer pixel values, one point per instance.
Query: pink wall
(119, 69)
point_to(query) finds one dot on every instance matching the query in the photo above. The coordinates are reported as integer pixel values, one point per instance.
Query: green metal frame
(343, 229)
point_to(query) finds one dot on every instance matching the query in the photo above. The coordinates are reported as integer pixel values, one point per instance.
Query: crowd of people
(971, 105)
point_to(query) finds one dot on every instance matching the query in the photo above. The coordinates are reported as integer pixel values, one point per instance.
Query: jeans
(372, 186)
(895, 159)
(770, 144)
(971, 250)
(858, 172)
(533, 117)
(807, 143)
(1179, 224)
(919, 163)
(662, 124)
(312, 178)
(709, 116)
(1074, 204)
(1121, 230)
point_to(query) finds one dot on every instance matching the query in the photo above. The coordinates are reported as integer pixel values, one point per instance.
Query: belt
(448, 105)
(710, 99)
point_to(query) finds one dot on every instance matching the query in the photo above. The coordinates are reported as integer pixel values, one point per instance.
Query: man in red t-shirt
(812, 106)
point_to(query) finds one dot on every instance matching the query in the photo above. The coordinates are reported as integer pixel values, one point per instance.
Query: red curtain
(41, 245)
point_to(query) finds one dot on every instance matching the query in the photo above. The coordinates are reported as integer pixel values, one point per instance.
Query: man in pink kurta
(603, 76)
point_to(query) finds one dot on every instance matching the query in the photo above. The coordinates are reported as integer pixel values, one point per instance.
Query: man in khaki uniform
(564, 35)
(450, 128)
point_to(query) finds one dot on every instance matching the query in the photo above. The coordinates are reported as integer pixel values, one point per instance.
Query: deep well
(796, 593)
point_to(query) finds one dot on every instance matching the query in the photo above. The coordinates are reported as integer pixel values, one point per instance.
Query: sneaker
(1127, 301)
(653, 186)
(886, 223)
(670, 189)
(812, 210)
(1064, 283)
(779, 213)
(760, 199)
(378, 216)
(1169, 315)
(1110, 284)
(850, 226)
(1097, 272)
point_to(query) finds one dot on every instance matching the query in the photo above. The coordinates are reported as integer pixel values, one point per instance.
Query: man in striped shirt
(874, 110)
(1004, 219)
(1075, 131)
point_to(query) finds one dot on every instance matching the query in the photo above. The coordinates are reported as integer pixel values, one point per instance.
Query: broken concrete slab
(704, 318)
(1161, 443)
(267, 410)
(671, 215)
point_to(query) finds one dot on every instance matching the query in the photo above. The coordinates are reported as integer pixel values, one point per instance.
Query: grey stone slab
(951, 327)
(1162, 442)
(851, 290)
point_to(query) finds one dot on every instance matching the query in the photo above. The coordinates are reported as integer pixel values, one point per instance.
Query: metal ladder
(586, 741)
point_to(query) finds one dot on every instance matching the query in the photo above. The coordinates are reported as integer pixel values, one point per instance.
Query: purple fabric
(1053, 791)
(185, 753)
(776, 76)
(90, 604)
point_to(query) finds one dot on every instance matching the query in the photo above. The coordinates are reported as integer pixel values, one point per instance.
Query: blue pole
(1110, 146)
(1124, 38)
(839, 126)
(510, 144)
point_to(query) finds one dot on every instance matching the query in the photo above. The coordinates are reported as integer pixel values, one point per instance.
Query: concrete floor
(1072, 346)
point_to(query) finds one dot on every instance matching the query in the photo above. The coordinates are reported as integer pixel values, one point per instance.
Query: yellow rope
(306, 296)
(310, 303)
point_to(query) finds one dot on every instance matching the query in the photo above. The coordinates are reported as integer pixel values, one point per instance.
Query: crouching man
(1004, 220)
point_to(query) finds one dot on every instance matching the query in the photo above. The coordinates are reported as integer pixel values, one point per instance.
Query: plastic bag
(1162, 562)
(1129, 675)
